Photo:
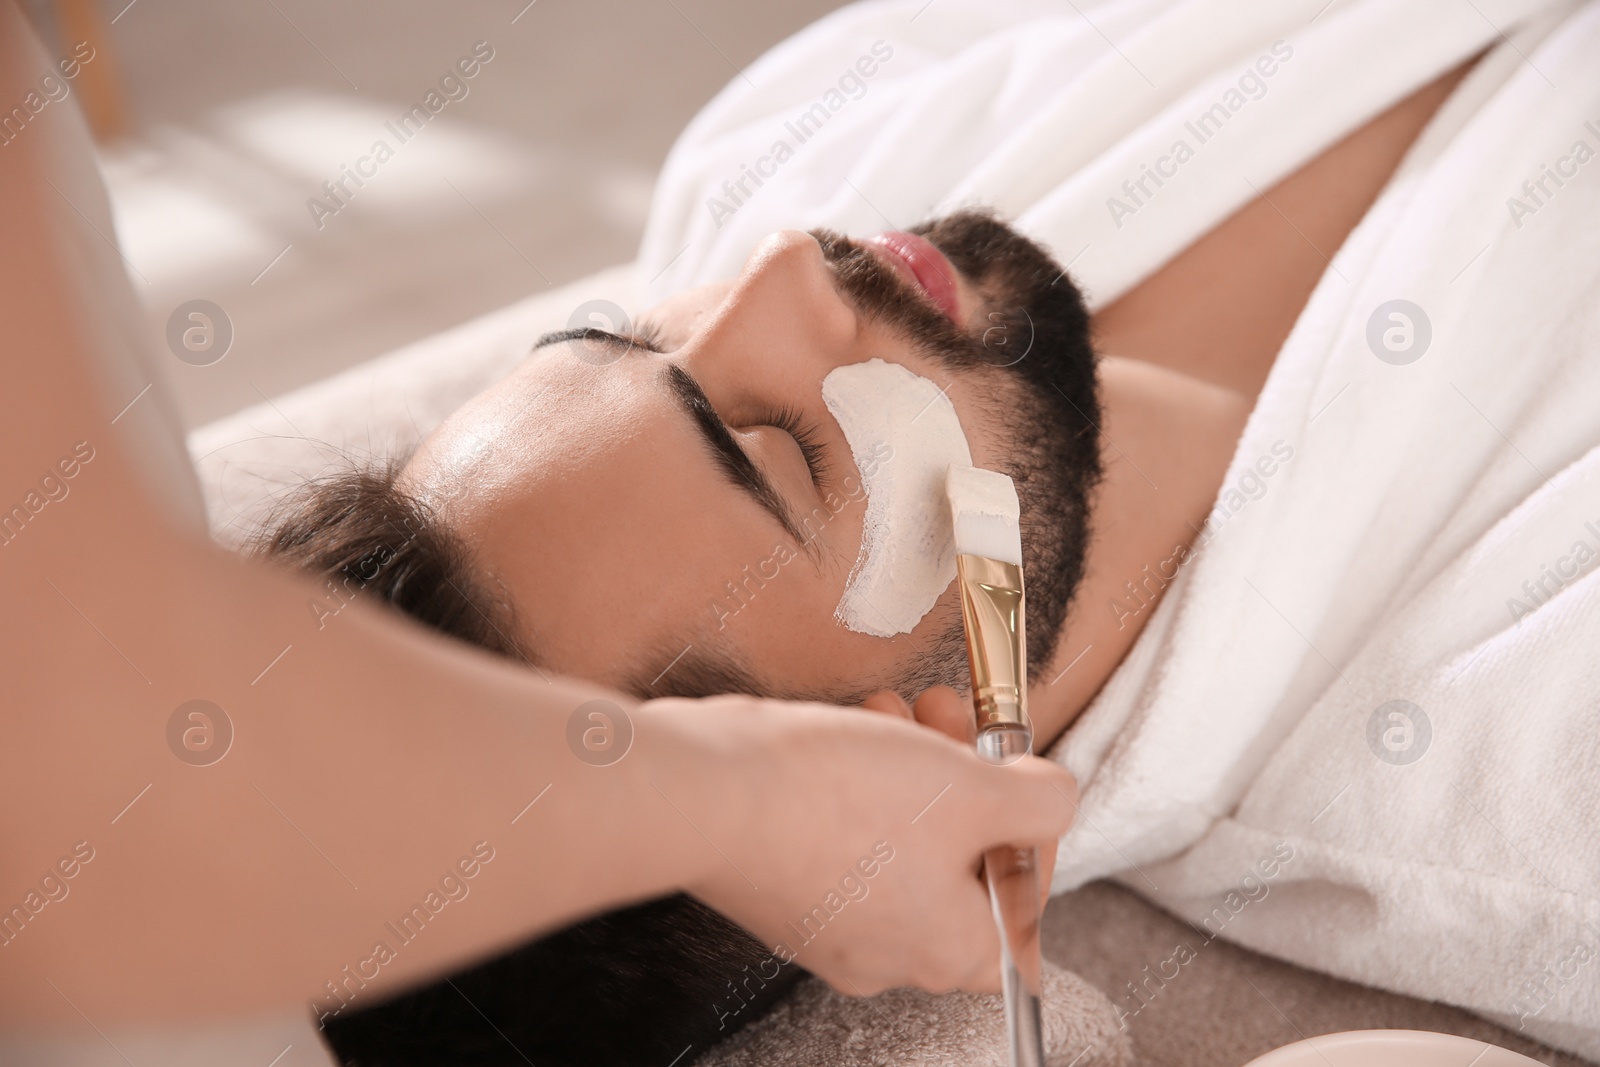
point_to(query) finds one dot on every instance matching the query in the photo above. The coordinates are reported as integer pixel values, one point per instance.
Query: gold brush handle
(994, 614)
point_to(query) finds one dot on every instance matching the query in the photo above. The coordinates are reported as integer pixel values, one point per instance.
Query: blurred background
(220, 122)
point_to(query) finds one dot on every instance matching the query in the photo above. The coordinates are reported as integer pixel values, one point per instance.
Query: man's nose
(785, 303)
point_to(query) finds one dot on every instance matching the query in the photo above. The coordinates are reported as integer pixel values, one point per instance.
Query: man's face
(678, 511)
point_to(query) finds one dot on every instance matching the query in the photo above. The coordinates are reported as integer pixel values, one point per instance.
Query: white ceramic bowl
(1391, 1048)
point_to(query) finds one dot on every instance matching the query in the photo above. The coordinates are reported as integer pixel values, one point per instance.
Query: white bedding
(1245, 765)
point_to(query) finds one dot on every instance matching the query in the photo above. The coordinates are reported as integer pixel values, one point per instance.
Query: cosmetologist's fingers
(943, 709)
(888, 702)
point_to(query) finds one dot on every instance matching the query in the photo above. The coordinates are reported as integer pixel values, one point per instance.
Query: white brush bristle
(985, 513)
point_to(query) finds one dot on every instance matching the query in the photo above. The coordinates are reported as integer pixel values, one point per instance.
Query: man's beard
(1028, 352)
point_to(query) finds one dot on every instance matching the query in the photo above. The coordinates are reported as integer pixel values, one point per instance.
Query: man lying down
(693, 508)
(1334, 662)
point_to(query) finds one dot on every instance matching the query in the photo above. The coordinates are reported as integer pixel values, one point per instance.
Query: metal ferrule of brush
(993, 609)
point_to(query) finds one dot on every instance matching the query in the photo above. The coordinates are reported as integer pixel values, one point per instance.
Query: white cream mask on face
(908, 555)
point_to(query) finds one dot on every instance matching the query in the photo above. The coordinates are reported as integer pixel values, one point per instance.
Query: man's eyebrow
(730, 458)
(589, 333)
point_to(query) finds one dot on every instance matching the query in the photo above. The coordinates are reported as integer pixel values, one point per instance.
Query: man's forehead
(546, 423)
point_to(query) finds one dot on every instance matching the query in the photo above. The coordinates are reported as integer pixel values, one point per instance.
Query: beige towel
(816, 1027)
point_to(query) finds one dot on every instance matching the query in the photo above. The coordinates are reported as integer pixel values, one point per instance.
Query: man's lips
(923, 266)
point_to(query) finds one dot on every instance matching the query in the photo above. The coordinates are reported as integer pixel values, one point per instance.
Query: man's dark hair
(642, 985)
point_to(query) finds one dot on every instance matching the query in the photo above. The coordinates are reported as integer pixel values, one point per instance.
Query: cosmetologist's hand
(943, 709)
(850, 842)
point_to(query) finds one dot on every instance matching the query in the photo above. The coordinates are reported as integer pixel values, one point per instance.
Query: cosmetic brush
(988, 536)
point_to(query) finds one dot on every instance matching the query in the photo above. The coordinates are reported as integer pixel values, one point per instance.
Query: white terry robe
(1382, 663)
